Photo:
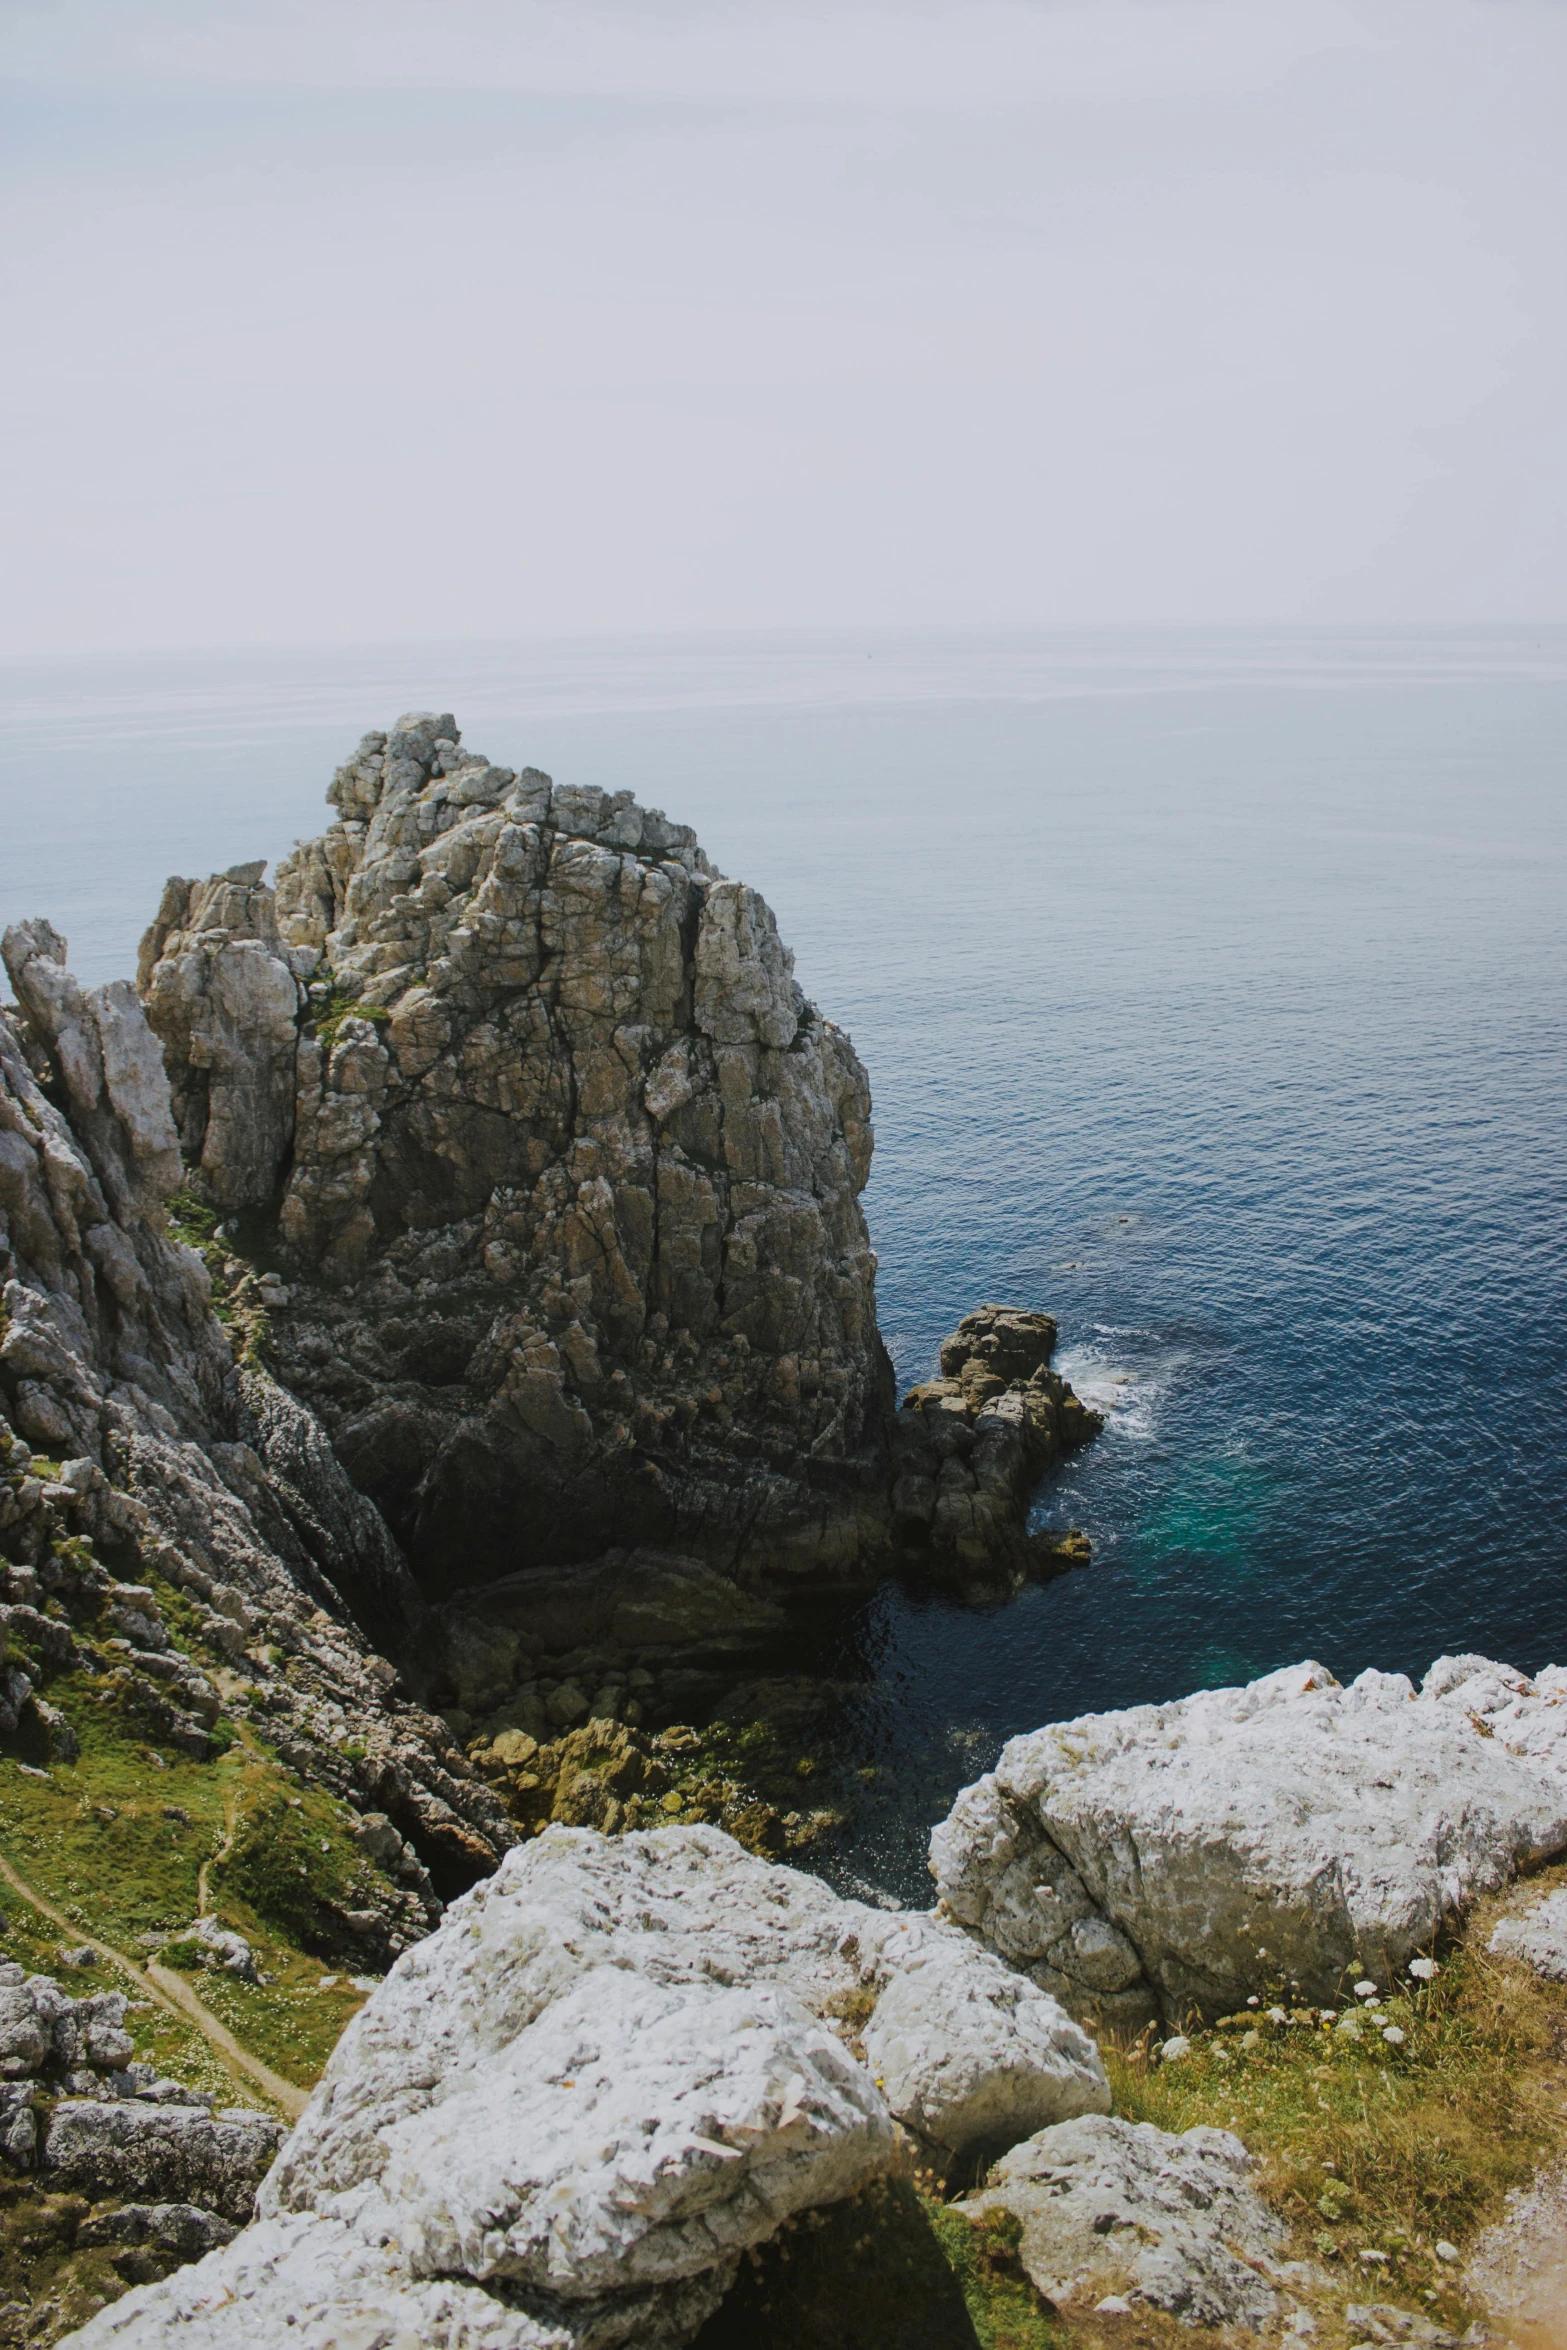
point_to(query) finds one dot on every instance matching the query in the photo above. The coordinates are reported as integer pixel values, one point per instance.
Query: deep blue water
(1212, 991)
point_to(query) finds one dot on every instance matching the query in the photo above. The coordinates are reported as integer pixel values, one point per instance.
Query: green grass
(1367, 2146)
(341, 1005)
(169, 2042)
(95, 1838)
(192, 1221)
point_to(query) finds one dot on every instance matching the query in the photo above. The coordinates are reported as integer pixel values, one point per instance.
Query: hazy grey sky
(365, 319)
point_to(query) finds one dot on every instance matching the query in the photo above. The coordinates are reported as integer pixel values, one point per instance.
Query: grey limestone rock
(568, 1192)
(318, 2283)
(1181, 1856)
(221, 994)
(167, 2153)
(178, 1457)
(184, 2230)
(1118, 2207)
(681, 1906)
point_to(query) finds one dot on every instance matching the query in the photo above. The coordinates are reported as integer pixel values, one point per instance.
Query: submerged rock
(615, 2068)
(1117, 2207)
(1178, 1857)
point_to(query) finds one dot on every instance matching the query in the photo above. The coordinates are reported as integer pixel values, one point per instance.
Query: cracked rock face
(170, 1456)
(221, 993)
(1181, 1856)
(565, 1174)
(590, 1160)
(616, 2067)
(165, 2153)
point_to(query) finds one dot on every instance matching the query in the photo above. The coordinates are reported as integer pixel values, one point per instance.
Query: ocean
(1211, 985)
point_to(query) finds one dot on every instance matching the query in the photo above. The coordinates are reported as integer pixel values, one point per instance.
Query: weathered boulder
(1172, 1857)
(1537, 1935)
(635, 2134)
(975, 2061)
(1118, 2207)
(181, 2230)
(43, 2028)
(615, 2067)
(675, 1906)
(166, 2153)
(568, 1190)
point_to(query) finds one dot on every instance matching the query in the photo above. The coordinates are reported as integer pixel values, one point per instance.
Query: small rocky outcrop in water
(1179, 1858)
(566, 1177)
(615, 2069)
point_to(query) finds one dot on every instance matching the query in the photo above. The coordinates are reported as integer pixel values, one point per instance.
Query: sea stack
(557, 1174)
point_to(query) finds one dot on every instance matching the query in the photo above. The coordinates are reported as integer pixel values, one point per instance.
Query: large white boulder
(1181, 1856)
(1120, 2207)
(618, 2065)
(636, 2134)
(316, 2284)
(678, 1906)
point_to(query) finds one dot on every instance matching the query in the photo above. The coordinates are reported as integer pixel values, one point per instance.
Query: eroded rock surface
(1117, 2207)
(160, 2152)
(168, 1457)
(589, 1159)
(568, 1190)
(1181, 1856)
(615, 2068)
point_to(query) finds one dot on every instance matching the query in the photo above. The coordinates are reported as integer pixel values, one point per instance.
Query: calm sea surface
(1212, 991)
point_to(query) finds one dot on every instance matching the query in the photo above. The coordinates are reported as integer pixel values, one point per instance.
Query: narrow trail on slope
(230, 1829)
(173, 1992)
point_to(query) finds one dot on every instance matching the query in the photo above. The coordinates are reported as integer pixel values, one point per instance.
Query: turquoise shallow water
(1212, 992)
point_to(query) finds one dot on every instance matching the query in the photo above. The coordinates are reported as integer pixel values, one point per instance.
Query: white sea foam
(1125, 1374)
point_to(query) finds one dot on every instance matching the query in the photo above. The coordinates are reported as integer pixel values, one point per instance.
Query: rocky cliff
(134, 1446)
(557, 1176)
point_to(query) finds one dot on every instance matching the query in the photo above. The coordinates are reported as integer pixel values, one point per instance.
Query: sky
(369, 320)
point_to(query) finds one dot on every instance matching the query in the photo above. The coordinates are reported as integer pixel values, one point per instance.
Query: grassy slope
(1373, 2149)
(101, 1838)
